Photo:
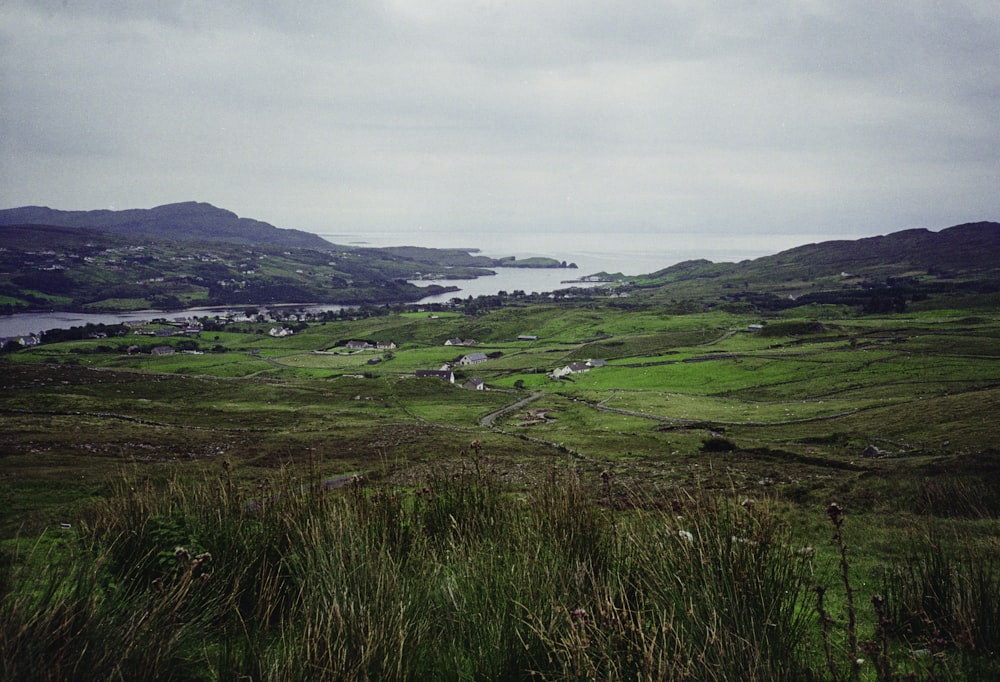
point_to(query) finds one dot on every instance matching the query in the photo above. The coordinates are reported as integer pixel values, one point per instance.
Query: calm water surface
(506, 279)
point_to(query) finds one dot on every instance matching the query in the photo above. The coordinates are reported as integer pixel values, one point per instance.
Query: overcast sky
(780, 118)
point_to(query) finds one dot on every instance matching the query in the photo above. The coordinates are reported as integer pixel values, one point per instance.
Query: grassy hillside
(880, 274)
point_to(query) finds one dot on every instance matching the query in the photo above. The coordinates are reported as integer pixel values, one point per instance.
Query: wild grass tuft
(936, 618)
(454, 579)
(947, 605)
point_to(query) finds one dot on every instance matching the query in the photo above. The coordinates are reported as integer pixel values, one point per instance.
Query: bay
(631, 251)
(529, 280)
(24, 324)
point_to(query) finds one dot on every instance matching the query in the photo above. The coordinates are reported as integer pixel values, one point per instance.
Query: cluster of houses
(180, 328)
(447, 374)
(575, 368)
(25, 341)
(447, 371)
(365, 345)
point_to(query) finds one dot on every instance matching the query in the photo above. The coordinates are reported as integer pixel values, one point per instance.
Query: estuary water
(530, 280)
(631, 251)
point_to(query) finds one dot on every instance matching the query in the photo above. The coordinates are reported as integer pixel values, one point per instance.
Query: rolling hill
(967, 247)
(194, 254)
(186, 221)
(906, 265)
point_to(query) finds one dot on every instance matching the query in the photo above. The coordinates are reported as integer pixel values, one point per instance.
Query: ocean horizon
(628, 252)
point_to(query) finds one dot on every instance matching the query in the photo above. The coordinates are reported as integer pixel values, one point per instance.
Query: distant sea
(627, 252)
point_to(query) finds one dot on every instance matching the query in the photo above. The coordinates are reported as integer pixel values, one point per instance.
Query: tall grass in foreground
(943, 603)
(457, 580)
(938, 617)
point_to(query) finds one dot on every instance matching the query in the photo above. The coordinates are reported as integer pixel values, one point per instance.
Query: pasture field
(727, 411)
(893, 417)
(825, 389)
(706, 368)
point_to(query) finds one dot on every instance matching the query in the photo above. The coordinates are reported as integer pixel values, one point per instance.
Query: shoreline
(531, 280)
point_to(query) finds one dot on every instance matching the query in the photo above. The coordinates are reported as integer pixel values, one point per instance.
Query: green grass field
(686, 405)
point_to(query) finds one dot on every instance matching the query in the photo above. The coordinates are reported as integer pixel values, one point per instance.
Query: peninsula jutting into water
(186, 255)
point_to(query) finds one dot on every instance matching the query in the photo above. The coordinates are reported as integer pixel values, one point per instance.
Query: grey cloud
(518, 116)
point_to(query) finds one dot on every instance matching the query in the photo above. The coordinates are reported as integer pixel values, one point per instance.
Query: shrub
(717, 444)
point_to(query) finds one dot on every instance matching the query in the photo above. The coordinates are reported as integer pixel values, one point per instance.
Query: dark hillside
(46, 267)
(187, 221)
(972, 246)
(41, 236)
(692, 269)
(875, 274)
(968, 248)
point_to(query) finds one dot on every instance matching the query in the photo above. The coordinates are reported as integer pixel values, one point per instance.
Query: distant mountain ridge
(970, 245)
(961, 248)
(881, 274)
(193, 254)
(966, 247)
(185, 221)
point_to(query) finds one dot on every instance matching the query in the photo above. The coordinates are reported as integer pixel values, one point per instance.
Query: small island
(534, 262)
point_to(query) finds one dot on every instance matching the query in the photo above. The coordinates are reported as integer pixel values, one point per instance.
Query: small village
(446, 371)
(183, 334)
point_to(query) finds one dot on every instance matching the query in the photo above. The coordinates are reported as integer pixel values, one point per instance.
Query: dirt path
(488, 420)
(722, 338)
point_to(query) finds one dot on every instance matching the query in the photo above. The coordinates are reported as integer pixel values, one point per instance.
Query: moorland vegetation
(767, 477)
